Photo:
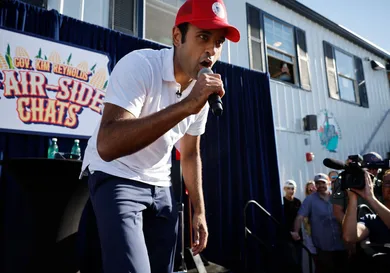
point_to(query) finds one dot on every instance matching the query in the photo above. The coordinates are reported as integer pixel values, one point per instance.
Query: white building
(334, 72)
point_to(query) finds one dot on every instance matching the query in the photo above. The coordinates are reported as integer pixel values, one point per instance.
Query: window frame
(282, 23)
(264, 54)
(355, 81)
(353, 63)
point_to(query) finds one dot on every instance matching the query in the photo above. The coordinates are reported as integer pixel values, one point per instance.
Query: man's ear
(176, 36)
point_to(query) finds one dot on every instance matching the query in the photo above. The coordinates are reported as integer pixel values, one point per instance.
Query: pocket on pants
(95, 180)
(166, 204)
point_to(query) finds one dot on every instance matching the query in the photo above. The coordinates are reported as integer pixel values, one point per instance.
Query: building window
(284, 47)
(123, 16)
(280, 50)
(345, 76)
(160, 18)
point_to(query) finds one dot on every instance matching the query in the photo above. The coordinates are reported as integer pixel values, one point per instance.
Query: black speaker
(310, 123)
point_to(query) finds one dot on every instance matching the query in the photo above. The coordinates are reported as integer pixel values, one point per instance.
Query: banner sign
(49, 87)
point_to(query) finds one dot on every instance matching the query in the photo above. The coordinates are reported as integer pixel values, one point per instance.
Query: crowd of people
(344, 230)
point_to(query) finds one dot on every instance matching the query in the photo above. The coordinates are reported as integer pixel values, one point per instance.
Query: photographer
(376, 226)
(339, 198)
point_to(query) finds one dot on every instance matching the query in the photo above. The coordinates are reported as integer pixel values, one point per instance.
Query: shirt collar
(168, 71)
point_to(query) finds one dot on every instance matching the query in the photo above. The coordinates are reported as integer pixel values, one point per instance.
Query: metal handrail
(375, 131)
(248, 231)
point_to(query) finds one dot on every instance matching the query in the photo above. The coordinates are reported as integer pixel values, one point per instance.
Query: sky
(368, 19)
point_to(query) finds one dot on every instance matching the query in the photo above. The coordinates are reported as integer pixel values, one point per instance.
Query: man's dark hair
(183, 27)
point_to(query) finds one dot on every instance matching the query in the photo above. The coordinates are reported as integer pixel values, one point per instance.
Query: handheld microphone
(334, 164)
(214, 100)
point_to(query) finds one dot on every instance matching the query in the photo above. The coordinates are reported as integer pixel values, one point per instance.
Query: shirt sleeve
(338, 198)
(305, 208)
(367, 220)
(129, 83)
(199, 126)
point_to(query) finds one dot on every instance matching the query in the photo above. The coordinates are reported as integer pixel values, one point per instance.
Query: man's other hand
(295, 236)
(200, 232)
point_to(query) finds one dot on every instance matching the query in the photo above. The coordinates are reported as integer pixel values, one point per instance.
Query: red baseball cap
(207, 14)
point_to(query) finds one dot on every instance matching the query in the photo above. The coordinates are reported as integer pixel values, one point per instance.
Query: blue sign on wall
(328, 130)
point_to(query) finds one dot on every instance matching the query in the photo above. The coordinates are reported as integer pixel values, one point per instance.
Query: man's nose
(212, 49)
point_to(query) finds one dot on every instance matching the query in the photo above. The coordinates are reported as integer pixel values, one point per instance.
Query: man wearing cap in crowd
(291, 205)
(155, 99)
(325, 230)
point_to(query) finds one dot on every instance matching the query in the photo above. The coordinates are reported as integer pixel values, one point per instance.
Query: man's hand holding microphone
(208, 87)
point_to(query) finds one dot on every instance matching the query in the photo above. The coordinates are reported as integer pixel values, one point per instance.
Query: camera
(353, 175)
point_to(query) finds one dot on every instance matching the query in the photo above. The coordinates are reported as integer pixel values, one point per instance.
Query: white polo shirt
(143, 83)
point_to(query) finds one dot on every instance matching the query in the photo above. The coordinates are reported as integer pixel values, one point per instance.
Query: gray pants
(137, 224)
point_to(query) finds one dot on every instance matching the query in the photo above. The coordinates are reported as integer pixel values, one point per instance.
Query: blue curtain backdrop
(238, 149)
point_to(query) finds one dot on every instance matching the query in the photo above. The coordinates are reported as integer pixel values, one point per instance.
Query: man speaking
(154, 100)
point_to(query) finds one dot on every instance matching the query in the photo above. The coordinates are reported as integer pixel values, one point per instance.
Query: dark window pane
(122, 16)
(280, 70)
(254, 22)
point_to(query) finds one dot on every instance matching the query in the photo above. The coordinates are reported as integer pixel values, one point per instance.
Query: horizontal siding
(291, 104)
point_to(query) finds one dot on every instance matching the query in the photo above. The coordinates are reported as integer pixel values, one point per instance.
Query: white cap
(321, 177)
(290, 183)
(54, 139)
(77, 141)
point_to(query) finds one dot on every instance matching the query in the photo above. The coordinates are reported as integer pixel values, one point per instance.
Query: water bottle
(53, 148)
(76, 151)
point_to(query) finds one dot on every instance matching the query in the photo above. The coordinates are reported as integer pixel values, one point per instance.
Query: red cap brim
(232, 33)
